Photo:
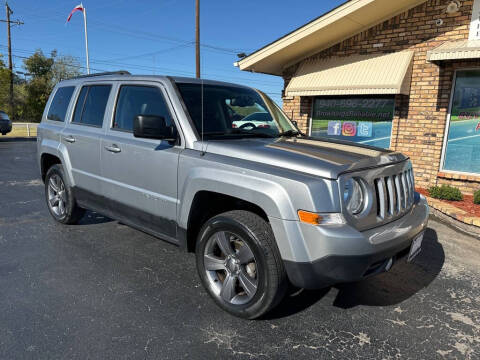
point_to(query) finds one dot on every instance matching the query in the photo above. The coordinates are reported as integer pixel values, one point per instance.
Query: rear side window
(91, 105)
(59, 105)
(136, 100)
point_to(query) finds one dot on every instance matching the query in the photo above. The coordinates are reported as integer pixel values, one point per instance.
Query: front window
(136, 100)
(220, 111)
(462, 151)
(362, 119)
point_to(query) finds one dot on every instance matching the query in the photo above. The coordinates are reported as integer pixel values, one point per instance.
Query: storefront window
(366, 120)
(462, 151)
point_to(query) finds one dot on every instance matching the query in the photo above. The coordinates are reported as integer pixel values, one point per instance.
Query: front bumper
(359, 256)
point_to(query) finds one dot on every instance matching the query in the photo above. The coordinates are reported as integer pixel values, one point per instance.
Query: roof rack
(119, 72)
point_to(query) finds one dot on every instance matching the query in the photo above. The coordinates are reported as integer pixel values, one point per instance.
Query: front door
(140, 175)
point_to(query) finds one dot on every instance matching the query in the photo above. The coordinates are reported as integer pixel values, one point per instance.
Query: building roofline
(330, 28)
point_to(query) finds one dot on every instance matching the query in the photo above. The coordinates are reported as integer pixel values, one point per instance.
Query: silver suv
(259, 203)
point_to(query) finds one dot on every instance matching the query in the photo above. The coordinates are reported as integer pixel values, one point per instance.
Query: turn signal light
(309, 217)
(312, 218)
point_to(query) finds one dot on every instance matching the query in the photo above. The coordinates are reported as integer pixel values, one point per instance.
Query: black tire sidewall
(258, 302)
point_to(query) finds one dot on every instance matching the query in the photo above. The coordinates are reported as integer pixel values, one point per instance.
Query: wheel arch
(207, 204)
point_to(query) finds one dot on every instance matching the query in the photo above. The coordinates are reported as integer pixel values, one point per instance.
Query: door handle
(113, 148)
(69, 139)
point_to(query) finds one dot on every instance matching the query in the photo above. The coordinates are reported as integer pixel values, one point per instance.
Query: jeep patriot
(260, 204)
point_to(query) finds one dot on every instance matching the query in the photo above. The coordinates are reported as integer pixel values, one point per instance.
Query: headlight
(353, 196)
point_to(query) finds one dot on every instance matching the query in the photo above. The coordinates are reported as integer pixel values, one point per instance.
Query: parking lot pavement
(102, 290)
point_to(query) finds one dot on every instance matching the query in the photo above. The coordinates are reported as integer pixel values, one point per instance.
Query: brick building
(401, 74)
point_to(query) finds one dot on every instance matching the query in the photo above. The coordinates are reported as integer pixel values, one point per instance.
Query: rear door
(82, 136)
(141, 174)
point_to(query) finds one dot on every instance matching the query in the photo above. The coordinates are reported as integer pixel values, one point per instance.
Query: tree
(65, 67)
(45, 72)
(38, 64)
(4, 87)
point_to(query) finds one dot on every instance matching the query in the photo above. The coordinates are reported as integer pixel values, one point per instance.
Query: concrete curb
(458, 218)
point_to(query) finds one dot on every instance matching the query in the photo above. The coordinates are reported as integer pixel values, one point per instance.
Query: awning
(453, 50)
(354, 75)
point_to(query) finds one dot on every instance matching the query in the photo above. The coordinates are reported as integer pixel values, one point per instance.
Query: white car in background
(255, 120)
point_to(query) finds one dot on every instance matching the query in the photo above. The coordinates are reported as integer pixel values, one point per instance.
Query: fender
(55, 148)
(268, 195)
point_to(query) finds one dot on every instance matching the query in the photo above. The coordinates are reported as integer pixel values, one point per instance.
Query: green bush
(445, 192)
(476, 197)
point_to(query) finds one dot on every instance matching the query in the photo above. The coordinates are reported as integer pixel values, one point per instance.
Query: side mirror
(153, 127)
(294, 122)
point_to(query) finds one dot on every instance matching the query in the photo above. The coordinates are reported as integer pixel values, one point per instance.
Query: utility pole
(197, 37)
(10, 62)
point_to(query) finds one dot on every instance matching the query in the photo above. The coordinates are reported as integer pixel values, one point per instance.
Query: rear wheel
(60, 200)
(239, 264)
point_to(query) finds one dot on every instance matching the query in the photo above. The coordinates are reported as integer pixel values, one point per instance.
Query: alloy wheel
(57, 197)
(231, 268)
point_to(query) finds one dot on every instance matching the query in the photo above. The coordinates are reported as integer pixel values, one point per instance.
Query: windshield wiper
(238, 132)
(289, 133)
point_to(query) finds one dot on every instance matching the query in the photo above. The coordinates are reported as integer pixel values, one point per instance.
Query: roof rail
(119, 72)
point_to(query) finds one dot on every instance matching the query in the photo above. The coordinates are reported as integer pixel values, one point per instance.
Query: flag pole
(86, 37)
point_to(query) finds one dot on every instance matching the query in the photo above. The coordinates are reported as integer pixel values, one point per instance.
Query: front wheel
(240, 265)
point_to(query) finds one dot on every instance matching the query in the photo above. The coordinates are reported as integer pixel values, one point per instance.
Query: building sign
(365, 120)
(463, 143)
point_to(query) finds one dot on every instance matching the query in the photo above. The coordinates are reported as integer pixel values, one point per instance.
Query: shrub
(445, 192)
(476, 197)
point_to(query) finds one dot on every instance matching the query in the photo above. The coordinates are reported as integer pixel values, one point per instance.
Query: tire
(70, 212)
(258, 283)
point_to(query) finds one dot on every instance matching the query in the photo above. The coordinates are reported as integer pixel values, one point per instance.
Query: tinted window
(139, 100)
(91, 105)
(362, 119)
(59, 105)
(3, 116)
(223, 110)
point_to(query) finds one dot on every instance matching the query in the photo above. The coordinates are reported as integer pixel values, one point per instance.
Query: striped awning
(354, 75)
(455, 50)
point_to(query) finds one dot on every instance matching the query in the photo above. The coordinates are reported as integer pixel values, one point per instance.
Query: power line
(144, 34)
(167, 69)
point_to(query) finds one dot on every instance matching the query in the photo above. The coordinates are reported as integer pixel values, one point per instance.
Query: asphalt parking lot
(101, 290)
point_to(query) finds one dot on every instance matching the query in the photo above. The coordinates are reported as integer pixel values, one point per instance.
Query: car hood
(321, 157)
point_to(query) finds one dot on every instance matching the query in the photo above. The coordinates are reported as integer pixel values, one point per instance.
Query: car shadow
(92, 218)
(16, 139)
(391, 288)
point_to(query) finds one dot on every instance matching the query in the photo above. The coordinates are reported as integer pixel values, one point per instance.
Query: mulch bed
(466, 205)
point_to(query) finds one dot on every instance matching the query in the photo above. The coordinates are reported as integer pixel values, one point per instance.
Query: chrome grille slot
(405, 189)
(394, 194)
(381, 192)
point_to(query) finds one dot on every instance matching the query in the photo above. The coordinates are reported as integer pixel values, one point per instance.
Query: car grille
(395, 194)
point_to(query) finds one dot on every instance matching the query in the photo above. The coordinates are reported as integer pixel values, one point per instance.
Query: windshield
(231, 111)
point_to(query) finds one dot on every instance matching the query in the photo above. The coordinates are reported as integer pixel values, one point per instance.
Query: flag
(76, 8)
